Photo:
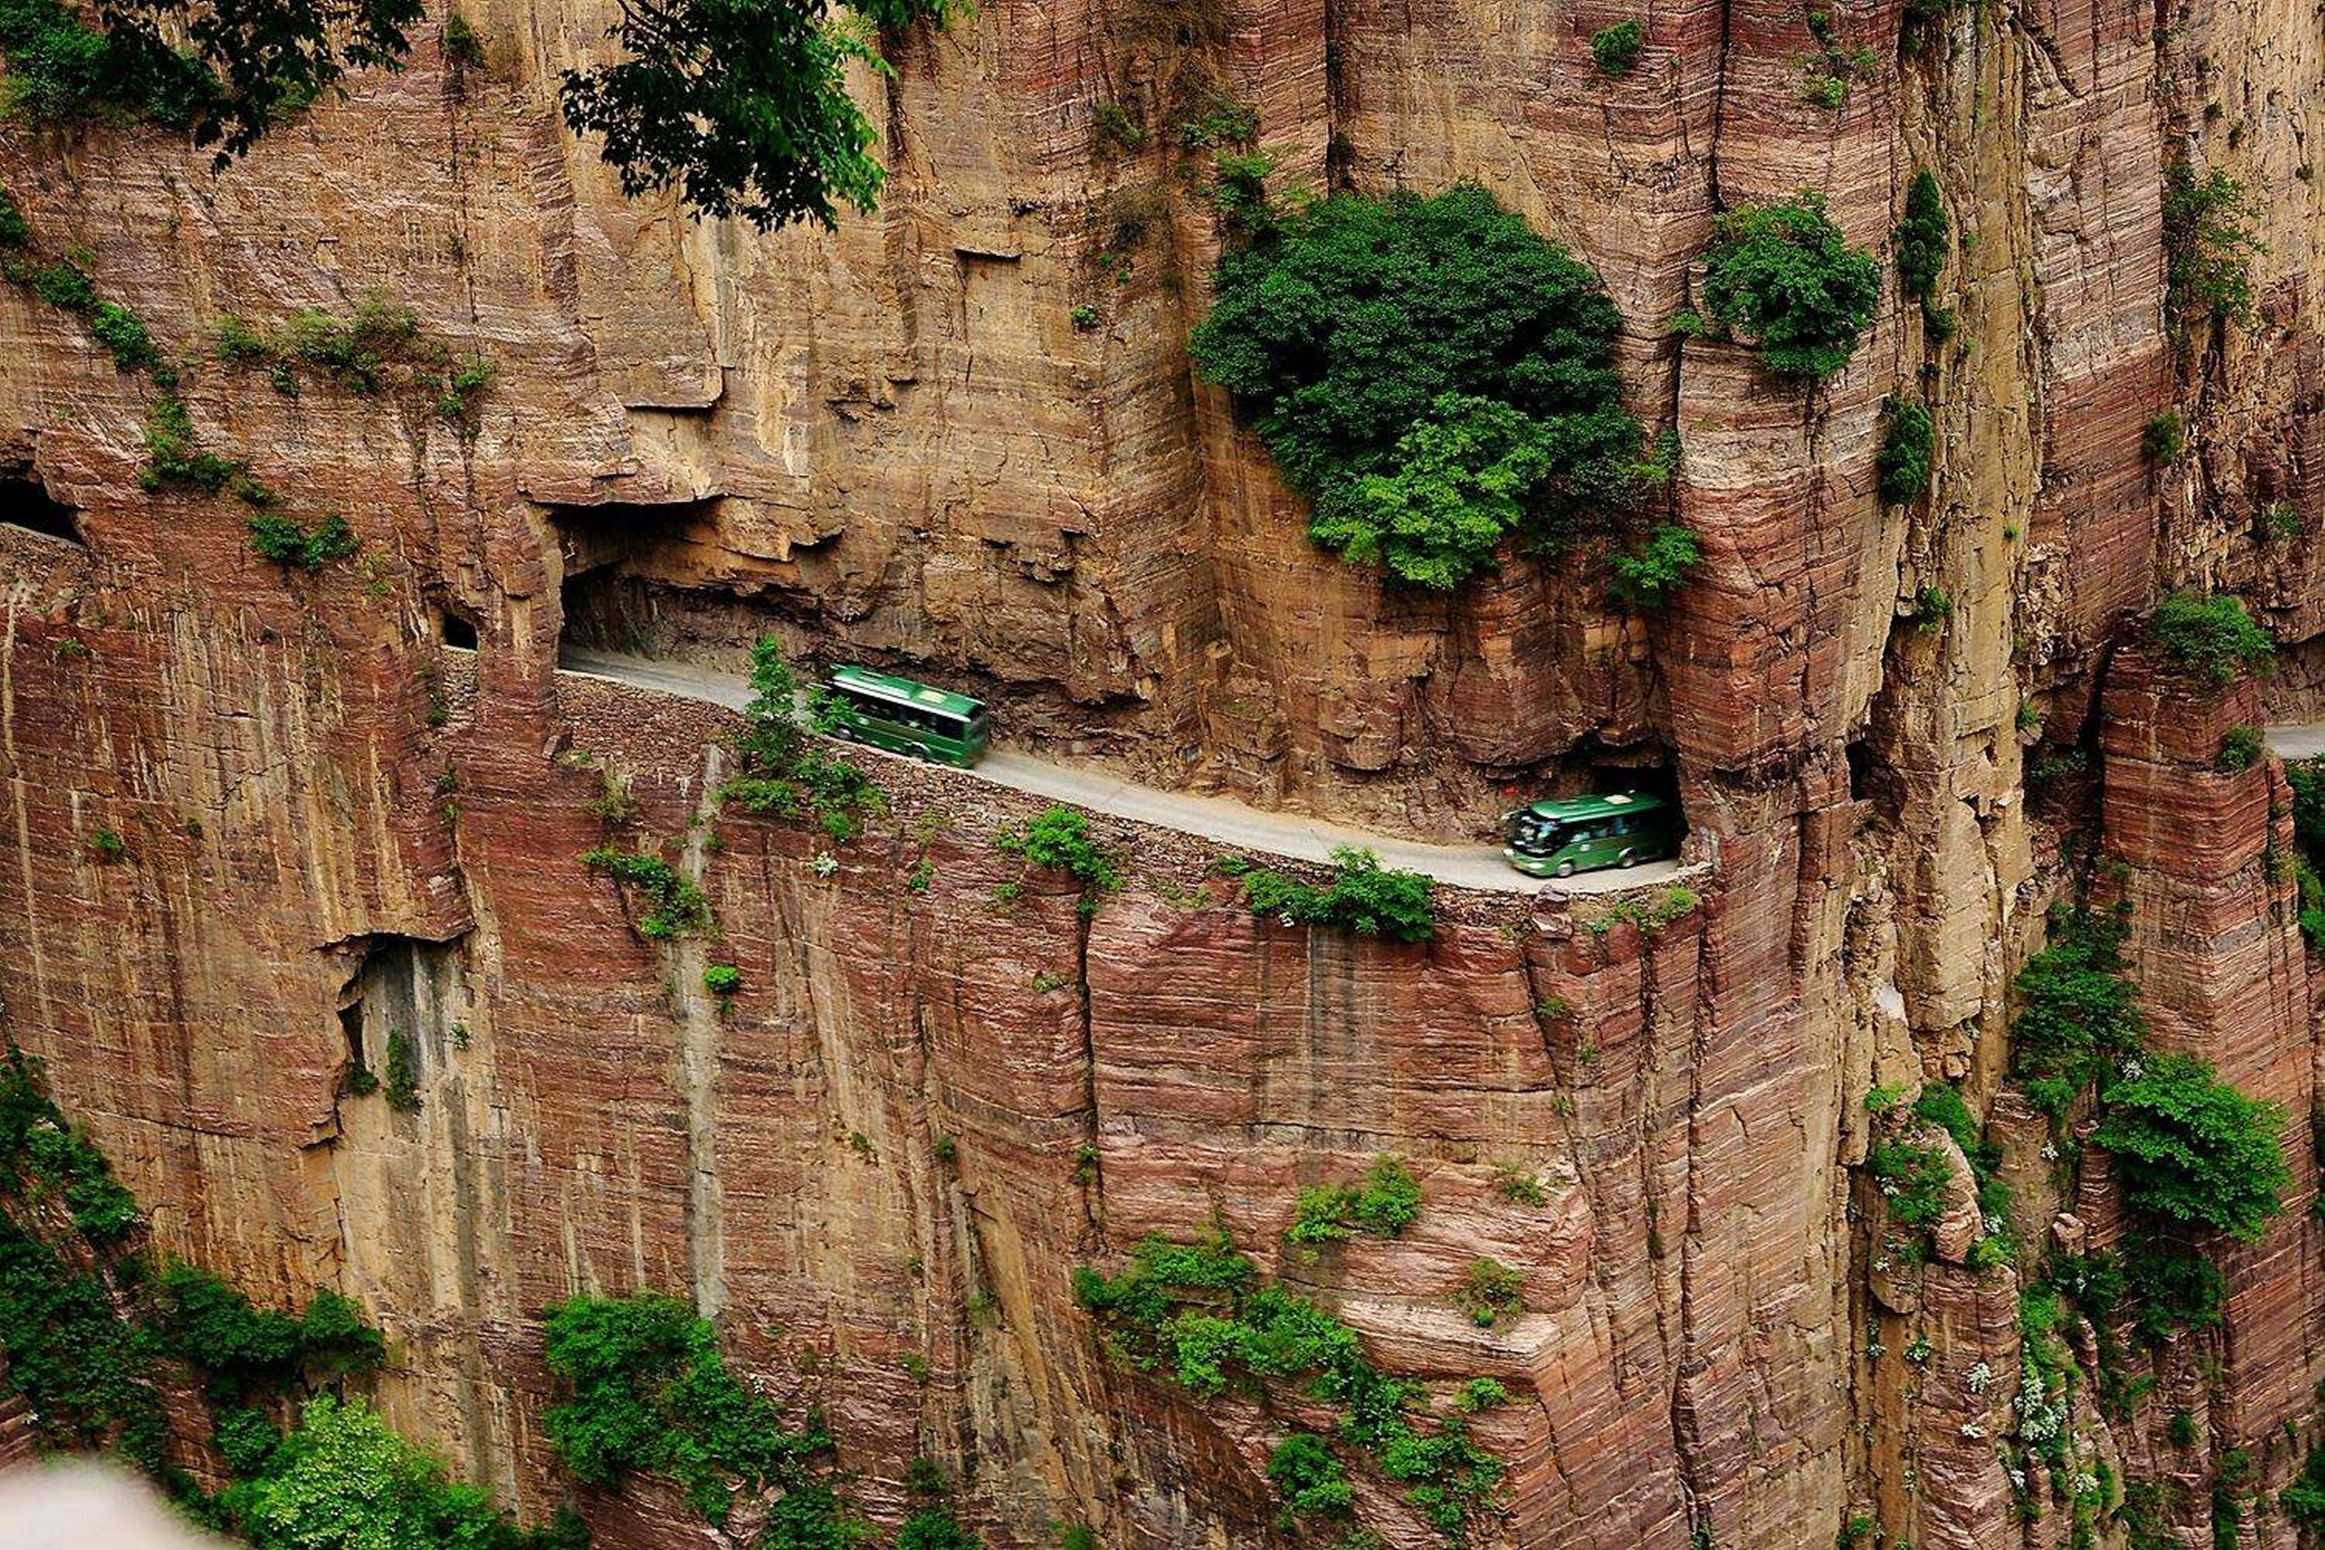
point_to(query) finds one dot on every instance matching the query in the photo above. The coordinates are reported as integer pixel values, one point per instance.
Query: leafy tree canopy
(741, 105)
(225, 73)
(1783, 278)
(2189, 1147)
(1434, 373)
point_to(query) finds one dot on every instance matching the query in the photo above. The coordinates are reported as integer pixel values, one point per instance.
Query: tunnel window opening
(25, 503)
(351, 1028)
(456, 630)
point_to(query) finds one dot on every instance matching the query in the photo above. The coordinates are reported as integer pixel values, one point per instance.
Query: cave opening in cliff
(25, 503)
(456, 629)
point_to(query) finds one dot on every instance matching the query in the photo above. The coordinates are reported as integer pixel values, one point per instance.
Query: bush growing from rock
(2191, 1148)
(1434, 374)
(2208, 635)
(1616, 48)
(1782, 278)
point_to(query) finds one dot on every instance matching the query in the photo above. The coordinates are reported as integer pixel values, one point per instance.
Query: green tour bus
(1567, 835)
(903, 716)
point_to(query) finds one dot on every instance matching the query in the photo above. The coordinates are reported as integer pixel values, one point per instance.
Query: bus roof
(1605, 805)
(904, 691)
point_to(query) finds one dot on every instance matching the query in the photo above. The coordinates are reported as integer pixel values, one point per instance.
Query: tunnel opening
(400, 1013)
(1605, 808)
(456, 629)
(25, 504)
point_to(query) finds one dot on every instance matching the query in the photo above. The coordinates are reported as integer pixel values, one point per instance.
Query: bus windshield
(1534, 834)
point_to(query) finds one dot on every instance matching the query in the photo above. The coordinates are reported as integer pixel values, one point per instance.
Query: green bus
(903, 717)
(1561, 837)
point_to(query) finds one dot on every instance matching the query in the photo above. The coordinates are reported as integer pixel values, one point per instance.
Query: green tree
(223, 73)
(1783, 278)
(343, 1481)
(1433, 373)
(2189, 1147)
(2209, 244)
(650, 1392)
(1923, 237)
(2208, 635)
(1906, 438)
(741, 105)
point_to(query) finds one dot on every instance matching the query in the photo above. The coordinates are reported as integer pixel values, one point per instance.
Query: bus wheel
(1628, 861)
(1565, 869)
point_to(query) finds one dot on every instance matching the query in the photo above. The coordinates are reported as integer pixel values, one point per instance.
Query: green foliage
(2171, 1288)
(63, 284)
(1616, 48)
(248, 1350)
(1906, 438)
(2193, 1149)
(1311, 1477)
(784, 773)
(2241, 747)
(1914, 1179)
(15, 230)
(286, 541)
(1383, 1204)
(1647, 577)
(106, 844)
(459, 42)
(1481, 1394)
(1490, 1289)
(740, 105)
(2303, 1498)
(1783, 278)
(402, 1076)
(650, 1392)
(933, 1528)
(123, 335)
(1363, 897)
(2209, 244)
(673, 906)
(2078, 1011)
(1433, 373)
(722, 979)
(815, 1517)
(1059, 838)
(343, 1479)
(2208, 635)
(1924, 238)
(2165, 438)
(171, 458)
(1520, 1187)
(1198, 1314)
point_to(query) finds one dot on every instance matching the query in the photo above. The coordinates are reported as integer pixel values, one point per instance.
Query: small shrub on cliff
(1489, 1290)
(935, 1528)
(1313, 1481)
(1647, 577)
(2169, 1287)
(1913, 1178)
(1783, 278)
(672, 904)
(1906, 438)
(2303, 1498)
(648, 1391)
(1924, 237)
(1059, 838)
(1616, 48)
(1437, 376)
(2209, 244)
(123, 335)
(1382, 1205)
(1198, 1314)
(2191, 1148)
(2241, 748)
(15, 230)
(2165, 438)
(286, 541)
(2078, 1011)
(402, 1077)
(2208, 635)
(1363, 897)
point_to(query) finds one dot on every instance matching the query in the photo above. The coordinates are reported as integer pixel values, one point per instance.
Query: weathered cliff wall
(895, 442)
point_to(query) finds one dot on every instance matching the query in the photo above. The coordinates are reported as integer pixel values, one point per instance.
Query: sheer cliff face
(896, 441)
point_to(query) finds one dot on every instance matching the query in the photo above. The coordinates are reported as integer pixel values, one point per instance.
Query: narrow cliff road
(1235, 826)
(2297, 739)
